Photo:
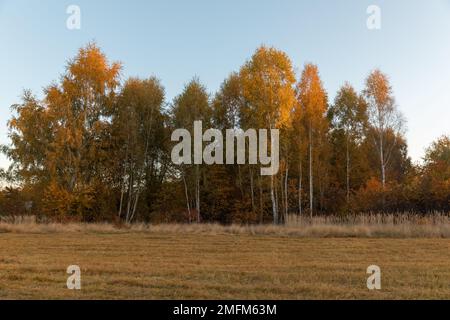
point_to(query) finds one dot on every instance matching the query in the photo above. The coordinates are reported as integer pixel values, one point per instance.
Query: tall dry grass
(368, 225)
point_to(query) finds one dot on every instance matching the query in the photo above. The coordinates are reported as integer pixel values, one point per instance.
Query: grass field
(158, 264)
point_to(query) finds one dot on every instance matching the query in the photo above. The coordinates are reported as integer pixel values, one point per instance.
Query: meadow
(312, 261)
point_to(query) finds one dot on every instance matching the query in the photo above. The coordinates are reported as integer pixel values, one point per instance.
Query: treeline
(98, 149)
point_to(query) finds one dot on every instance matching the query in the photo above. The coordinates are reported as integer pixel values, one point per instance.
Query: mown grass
(168, 263)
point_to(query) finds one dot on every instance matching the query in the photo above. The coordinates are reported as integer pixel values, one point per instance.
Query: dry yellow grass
(165, 262)
(361, 226)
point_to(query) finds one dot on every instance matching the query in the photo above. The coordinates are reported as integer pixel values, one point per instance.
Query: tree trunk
(252, 189)
(311, 185)
(197, 177)
(261, 209)
(130, 196)
(383, 167)
(300, 176)
(272, 198)
(187, 197)
(286, 192)
(136, 200)
(348, 171)
(283, 204)
(277, 202)
(123, 188)
(240, 181)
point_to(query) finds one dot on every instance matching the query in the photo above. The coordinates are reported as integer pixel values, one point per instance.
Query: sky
(177, 40)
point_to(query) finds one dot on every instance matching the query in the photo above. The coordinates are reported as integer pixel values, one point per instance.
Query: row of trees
(97, 149)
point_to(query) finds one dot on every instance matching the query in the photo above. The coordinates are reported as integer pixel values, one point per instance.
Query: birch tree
(268, 89)
(348, 117)
(312, 101)
(137, 122)
(384, 118)
(190, 106)
(71, 141)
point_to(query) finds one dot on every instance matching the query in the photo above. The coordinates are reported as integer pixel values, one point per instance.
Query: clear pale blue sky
(176, 40)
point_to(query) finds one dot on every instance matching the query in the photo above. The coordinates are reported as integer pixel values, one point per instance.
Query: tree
(30, 134)
(62, 144)
(227, 107)
(312, 107)
(267, 81)
(438, 154)
(228, 104)
(384, 118)
(138, 121)
(348, 118)
(190, 106)
(436, 175)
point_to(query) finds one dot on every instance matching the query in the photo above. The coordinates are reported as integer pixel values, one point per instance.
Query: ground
(159, 265)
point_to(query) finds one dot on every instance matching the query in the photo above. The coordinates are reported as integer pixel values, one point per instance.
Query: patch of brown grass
(166, 262)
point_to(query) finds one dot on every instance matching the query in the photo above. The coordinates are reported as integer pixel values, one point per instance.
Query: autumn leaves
(96, 148)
